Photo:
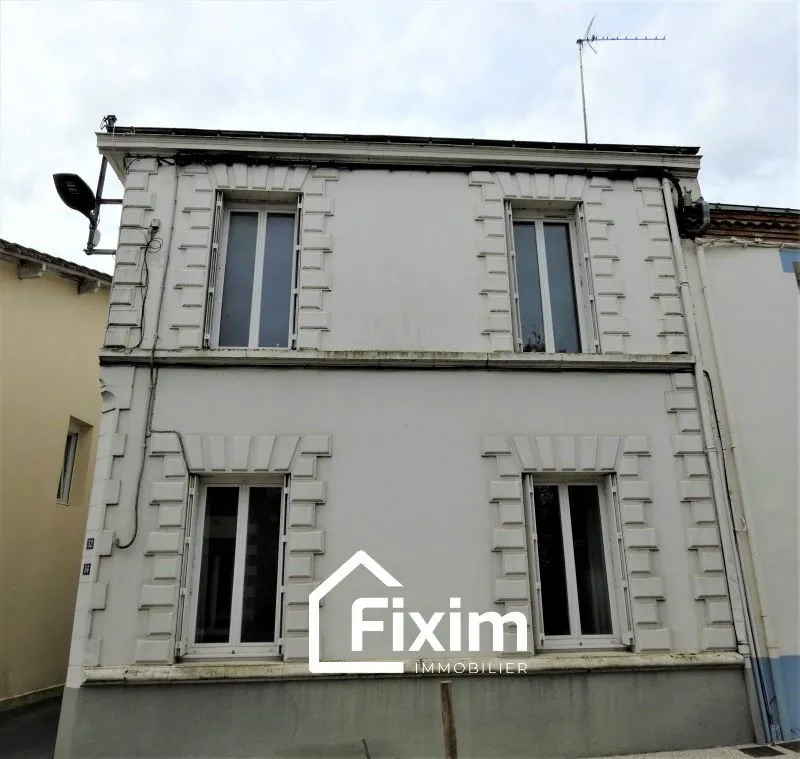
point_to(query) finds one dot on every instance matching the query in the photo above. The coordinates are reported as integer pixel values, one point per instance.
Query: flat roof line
(404, 139)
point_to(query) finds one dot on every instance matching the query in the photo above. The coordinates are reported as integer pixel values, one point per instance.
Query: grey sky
(726, 79)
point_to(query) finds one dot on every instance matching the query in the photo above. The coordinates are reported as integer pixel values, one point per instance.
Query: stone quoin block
(709, 585)
(164, 541)
(702, 537)
(155, 650)
(510, 538)
(511, 590)
(165, 492)
(170, 516)
(161, 623)
(697, 489)
(297, 593)
(515, 563)
(312, 541)
(300, 566)
(312, 491)
(166, 568)
(657, 639)
(157, 595)
(506, 490)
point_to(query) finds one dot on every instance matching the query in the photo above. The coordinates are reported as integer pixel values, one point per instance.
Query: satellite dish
(95, 238)
(75, 193)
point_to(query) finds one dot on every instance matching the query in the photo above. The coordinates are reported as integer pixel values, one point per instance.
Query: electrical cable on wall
(153, 377)
(153, 244)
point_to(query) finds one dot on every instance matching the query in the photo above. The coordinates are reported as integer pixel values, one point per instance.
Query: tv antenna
(590, 39)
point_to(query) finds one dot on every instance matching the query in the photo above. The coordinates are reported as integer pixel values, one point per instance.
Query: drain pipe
(742, 614)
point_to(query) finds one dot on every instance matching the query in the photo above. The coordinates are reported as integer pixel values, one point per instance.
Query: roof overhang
(379, 151)
(32, 264)
(777, 226)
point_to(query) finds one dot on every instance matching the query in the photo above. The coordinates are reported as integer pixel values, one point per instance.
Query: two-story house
(471, 360)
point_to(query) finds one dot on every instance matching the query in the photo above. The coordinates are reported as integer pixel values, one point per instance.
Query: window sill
(377, 359)
(216, 654)
(575, 647)
(540, 664)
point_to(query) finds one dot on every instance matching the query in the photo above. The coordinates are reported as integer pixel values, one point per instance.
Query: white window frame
(263, 210)
(620, 637)
(580, 279)
(68, 463)
(234, 648)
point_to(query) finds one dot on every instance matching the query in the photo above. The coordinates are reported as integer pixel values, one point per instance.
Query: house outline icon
(358, 559)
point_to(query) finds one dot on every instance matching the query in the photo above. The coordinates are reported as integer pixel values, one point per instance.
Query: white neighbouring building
(474, 360)
(745, 273)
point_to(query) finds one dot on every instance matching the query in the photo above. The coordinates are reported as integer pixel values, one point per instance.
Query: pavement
(30, 733)
(783, 751)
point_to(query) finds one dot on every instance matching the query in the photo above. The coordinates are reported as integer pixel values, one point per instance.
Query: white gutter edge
(115, 146)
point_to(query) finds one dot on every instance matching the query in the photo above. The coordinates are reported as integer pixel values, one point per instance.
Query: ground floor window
(576, 565)
(237, 569)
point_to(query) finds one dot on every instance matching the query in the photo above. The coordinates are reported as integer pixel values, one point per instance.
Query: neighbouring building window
(68, 463)
(575, 571)
(258, 265)
(544, 269)
(238, 566)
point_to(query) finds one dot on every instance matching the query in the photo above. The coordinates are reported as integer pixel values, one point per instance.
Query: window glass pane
(216, 567)
(237, 293)
(67, 467)
(590, 565)
(552, 572)
(561, 279)
(276, 285)
(529, 287)
(261, 565)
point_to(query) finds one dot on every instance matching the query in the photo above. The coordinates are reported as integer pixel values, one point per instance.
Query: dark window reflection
(561, 280)
(552, 572)
(276, 285)
(216, 566)
(261, 565)
(590, 565)
(237, 294)
(529, 288)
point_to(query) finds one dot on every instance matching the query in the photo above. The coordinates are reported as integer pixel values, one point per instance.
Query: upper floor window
(546, 278)
(68, 463)
(257, 274)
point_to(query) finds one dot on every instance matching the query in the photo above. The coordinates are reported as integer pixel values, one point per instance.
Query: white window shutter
(213, 266)
(516, 330)
(184, 606)
(587, 296)
(298, 244)
(626, 623)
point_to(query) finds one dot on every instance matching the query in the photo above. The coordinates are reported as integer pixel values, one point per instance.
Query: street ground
(742, 752)
(30, 733)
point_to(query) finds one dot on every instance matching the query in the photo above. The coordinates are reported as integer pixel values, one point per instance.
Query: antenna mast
(589, 39)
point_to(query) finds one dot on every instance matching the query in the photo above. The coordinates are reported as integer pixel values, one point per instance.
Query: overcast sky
(726, 79)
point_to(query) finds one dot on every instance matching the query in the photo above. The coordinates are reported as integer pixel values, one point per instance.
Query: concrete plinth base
(573, 714)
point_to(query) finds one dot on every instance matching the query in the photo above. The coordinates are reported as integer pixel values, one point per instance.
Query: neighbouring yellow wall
(49, 340)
